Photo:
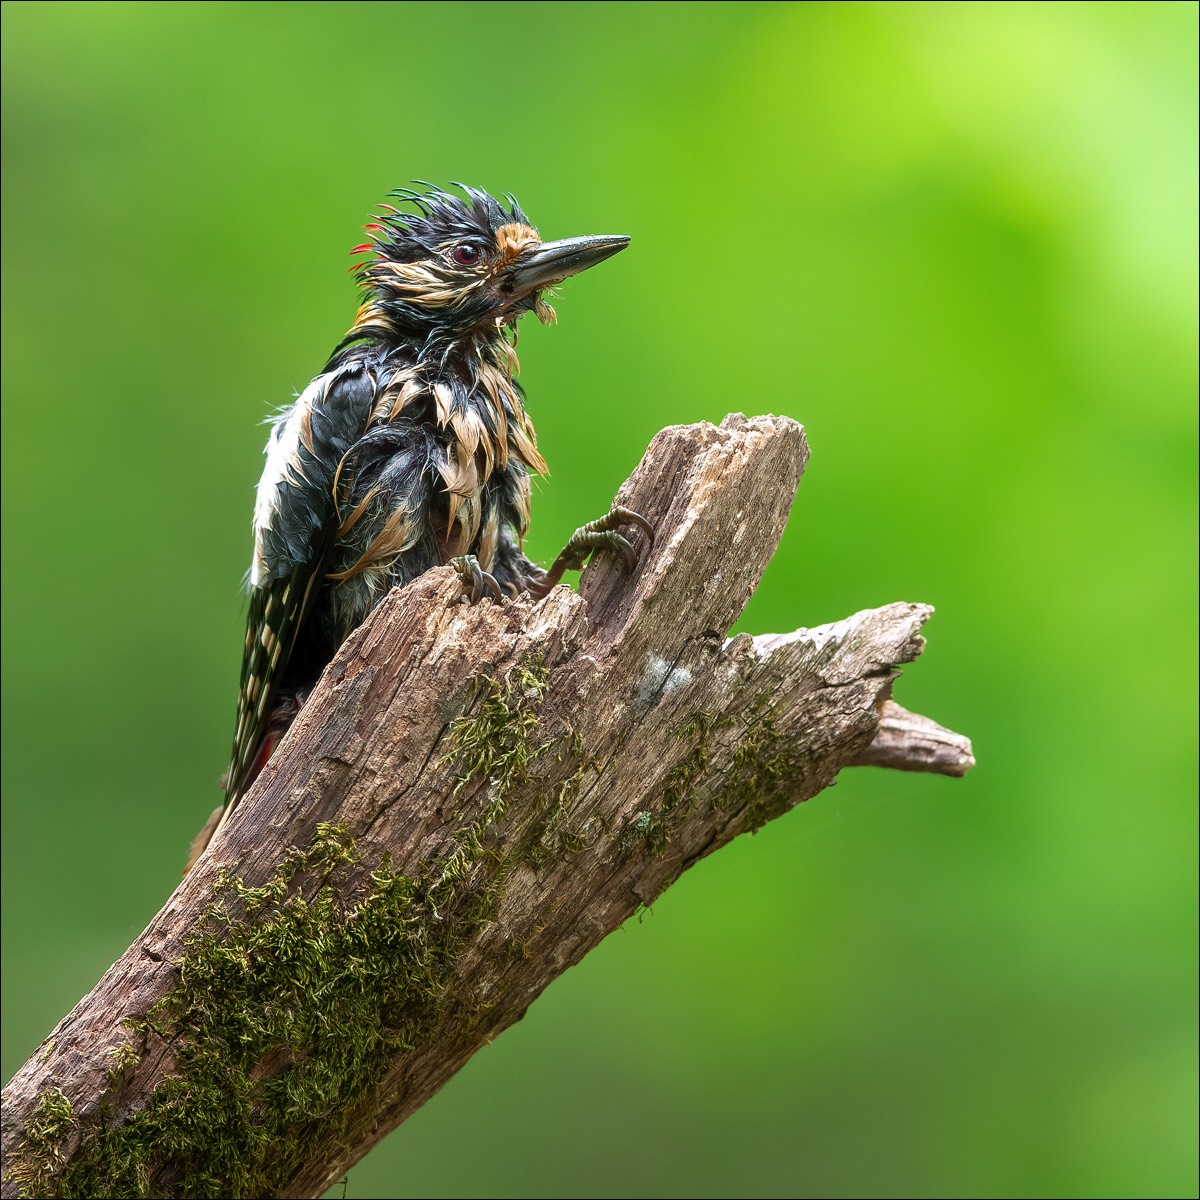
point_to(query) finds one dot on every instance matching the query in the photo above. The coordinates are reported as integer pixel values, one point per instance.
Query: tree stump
(471, 799)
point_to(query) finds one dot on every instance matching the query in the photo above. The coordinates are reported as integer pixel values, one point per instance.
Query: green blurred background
(958, 242)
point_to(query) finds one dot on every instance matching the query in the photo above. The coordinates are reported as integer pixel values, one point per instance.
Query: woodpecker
(412, 448)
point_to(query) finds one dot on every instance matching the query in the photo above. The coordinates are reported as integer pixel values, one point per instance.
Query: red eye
(466, 255)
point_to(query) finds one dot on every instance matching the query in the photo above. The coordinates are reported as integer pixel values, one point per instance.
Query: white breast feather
(283, 462)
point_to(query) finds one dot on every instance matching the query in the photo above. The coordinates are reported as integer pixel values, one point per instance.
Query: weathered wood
(530, 773)
(907, 741)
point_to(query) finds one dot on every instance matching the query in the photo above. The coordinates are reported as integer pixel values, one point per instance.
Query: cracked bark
(666, 739)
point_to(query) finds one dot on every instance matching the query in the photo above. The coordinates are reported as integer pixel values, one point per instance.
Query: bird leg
(475, 579)
(600, 534)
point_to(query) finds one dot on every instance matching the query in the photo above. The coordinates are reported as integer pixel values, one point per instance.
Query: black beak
(553, 262)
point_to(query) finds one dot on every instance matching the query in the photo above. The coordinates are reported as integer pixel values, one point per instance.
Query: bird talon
(475, 579)
(614, 519)
(616, 542)
(599, 534)
(489, 581)
(629, 517)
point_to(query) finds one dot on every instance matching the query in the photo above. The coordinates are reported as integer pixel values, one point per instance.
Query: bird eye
(465, 254)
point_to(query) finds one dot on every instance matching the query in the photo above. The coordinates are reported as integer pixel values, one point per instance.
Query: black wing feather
(296, 545)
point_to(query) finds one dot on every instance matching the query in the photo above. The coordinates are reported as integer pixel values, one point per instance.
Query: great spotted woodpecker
(412, 448)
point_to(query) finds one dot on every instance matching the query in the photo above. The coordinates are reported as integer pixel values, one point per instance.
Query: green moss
(497, 740)
(40, 1155)
(294, 997)
(755, 779)
(762, 771)
(558, 838)
(123, 1058)
(651, 828)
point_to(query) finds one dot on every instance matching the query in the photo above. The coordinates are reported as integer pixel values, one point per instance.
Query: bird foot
(600, 534)
(475, 580)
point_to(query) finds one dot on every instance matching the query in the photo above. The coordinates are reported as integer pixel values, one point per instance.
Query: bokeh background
(958, 242)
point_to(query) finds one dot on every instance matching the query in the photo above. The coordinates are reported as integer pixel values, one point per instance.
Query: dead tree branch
(472, 798)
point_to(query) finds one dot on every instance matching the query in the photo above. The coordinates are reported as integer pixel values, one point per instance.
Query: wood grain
(652, 739)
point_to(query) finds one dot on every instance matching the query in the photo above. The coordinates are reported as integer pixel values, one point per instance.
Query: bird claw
(475, 579)
(620, 515)
(597, 535)
(584, 544)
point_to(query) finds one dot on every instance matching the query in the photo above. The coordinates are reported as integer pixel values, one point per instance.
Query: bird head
(447, 266)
